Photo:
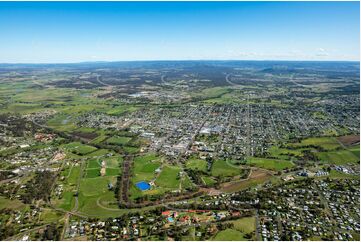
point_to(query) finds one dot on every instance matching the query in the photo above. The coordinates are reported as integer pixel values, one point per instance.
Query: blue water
(142, 185)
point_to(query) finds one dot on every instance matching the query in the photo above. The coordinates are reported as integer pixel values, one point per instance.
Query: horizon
(72, 32)
(180, 60)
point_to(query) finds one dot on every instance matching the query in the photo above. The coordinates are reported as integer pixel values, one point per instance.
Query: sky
(58, 32)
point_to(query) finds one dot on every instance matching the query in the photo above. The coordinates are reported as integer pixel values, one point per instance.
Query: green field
(144, 167)
(229, 235)
(355, 150)
(93, 163)
(327, 143)
(79, 148)
(196, 164)
(245, 225)
(12, 204)
(95, 186)
(131, 149)
(340, 175)
(283, 153)
(213, 92)
(74, 174)
(168, 178)
(67, 202)
(100, 153)
(338, 157)
(186, 182)
(92, 173)
(222, 169)
(118, 140)
(113, 161)
(271, 164)
(208, 181)
(112, 171)
(48, 216)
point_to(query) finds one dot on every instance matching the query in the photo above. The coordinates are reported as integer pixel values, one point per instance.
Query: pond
(142, 185)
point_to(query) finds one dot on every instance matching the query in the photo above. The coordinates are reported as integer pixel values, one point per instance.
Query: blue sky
(111, 31)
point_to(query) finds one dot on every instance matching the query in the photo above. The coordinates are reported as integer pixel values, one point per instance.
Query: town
(147, 151)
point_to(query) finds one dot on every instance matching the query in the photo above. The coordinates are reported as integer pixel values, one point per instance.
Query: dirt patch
(257, 177)
(349, 139)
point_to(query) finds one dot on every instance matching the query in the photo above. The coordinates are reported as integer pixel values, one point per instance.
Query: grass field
(222, 169)
(101, 138)
(95, 186)
(79, 148)
(338, 157)
(121, 110)
(213, 92)
(186, 182)
(229, 235)
(48, 216)
(208, 181)
(355, 150)
(245, 225)
(24, 108)
(62, 122)
(92, 173)
(340, 175)
(12, 204)
(168, 177)
(144, 167)
(113, 162)
(93, 163)
(283, 153)
(131, 149)
(118, 140)
(196, 164)
(67, 202)
(327, 143)
(74, 174)
(271, 164)
(255, 178)
(112, 171)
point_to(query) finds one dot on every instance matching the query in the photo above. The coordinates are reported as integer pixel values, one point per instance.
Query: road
(101, 82)
(230, 82)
